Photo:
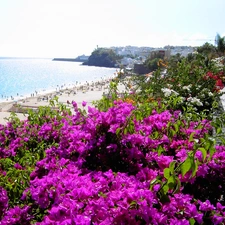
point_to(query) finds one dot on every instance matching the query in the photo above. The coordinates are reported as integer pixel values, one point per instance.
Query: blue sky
(68, 28)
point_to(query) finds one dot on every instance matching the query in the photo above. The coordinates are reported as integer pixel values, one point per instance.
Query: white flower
(189, 99)
(187, 87)
(219, 62)
(167, 92)
(202, 95)
(195, 101)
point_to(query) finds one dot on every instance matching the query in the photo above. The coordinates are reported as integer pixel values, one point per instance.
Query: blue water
(22, 77)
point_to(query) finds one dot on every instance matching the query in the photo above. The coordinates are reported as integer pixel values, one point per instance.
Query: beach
(89, 92)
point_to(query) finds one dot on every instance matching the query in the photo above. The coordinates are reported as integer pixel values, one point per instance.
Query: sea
(24, 77)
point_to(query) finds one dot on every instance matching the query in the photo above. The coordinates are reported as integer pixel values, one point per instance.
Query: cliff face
(102, 57)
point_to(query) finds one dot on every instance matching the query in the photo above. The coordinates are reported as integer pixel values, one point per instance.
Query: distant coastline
(68, 59)
(81, 58)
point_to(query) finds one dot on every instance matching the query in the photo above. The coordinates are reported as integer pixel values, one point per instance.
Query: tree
(152, 64)
(153, 60)
(175, 59)
(220, 43)
(207, 49)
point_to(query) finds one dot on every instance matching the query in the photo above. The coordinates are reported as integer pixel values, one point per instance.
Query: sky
(68, 28)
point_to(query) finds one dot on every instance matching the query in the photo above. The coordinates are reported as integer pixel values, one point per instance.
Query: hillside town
(133, 57)
(137, 55)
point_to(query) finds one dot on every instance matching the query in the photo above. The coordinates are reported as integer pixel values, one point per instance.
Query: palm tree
(220, 43)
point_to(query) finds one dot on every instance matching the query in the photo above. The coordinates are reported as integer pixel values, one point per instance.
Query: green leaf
(165, 188)
(194, 168)
(171, 166)
(172, 133)
(212, 150)
(118, 131)
(166, 173)
(218, 130)
(178, 185)
(191, 138)
(176, 127)
(160, 150)
(171, 182)
(192, 221)
(186, 166)
(204, 153)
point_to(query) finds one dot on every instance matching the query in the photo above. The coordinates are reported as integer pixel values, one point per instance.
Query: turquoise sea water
(22, 77)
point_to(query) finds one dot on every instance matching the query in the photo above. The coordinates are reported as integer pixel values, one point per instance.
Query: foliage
(145, 157)
(207, 49)
(220, 43)
(152, 64)
(103, 57)
(210, 51)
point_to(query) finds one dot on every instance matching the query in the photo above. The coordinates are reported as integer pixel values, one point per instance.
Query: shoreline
(46, 91)
(88, 92)
(54, 91)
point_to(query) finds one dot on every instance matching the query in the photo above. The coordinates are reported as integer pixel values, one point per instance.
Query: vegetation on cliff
(103, 57)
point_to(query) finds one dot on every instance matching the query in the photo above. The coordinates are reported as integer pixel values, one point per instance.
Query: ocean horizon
(23, 77)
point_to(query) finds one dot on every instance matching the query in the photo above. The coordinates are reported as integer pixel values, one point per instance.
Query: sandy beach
(89, 92)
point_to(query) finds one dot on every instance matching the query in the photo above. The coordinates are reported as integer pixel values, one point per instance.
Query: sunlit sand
(89, 92)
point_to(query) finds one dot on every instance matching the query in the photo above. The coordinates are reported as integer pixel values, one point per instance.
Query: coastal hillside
(103, 57)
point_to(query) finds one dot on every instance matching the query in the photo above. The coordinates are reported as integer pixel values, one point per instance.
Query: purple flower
(206, 206)
(164, 161)
(74, 105)
(202, 170)
(3, 201)
(82, 220)
(219, 206)
(17, 215)
(18, 166)
(217, 219)
(84, 103)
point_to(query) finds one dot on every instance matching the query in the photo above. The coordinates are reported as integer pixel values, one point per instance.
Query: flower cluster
(110, 168)
(195, 101)
(217, 80)
(168, 92)
(219, 62)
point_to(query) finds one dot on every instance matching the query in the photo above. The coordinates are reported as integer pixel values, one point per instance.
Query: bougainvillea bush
(145, 157)
(113, 167)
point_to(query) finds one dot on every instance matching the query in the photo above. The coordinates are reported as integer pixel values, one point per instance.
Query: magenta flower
(84, 103)
(3, 201)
